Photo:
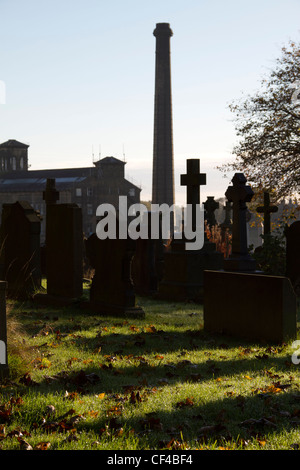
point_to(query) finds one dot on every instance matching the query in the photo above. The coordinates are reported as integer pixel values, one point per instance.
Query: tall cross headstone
(193, 179)
(64, 247)
(267, 209)
(239, 194)
(184, 268)
(210, 206)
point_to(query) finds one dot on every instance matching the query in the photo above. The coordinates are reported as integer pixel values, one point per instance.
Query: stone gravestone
(64, 247)
(183, 269)
(248, 304)
(4, 370)
(227, 222)
(146, 262)
(293, 255)
(239, 194)
(20, 249)
(210, 206)
(267, 209)
(112, 290)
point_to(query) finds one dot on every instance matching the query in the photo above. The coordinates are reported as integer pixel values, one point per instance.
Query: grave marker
(210, 206)
(183, 269)
(20, 261)
(250, 306)
(112, 290)
(64, 249)
(239, 194)
(267, 209)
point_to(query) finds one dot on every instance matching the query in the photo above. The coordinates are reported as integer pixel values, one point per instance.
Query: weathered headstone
(146, 262)
(227, 222)
(20, 263)
(4, 370)
(64, 248)
(239, 194)
(293, 255)
(267, 209)
(250, 306)
(210, 206)
(112, 290)
(64, 251)
(183, 269)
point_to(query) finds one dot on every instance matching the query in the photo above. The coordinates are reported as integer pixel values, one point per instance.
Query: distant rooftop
(13, 143)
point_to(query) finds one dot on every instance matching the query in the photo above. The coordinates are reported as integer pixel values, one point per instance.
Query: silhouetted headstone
(146, 262)
(4, 370)
(210, 206)
(227, 222)
(183, 269)
(20, 249)
(239, 194)
(267, 209)
(293, 255)
(112, 290)
(250, 306)
(193, 179)
(64, 251)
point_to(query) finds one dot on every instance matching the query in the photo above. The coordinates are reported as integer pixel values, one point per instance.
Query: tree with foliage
(268, 126)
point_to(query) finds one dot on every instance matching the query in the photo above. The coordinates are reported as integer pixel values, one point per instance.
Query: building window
(89, 191)
(89, 208)
(78, 192)
(131, 192)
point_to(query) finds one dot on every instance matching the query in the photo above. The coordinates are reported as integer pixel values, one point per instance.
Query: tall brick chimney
(163, 166)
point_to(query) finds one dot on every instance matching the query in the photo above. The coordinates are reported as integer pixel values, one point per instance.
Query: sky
(79, 79)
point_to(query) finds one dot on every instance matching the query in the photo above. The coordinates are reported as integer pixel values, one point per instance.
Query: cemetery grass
(79, 381)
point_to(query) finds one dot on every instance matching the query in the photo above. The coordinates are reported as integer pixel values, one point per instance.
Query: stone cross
(193, 179)
(267, 209)
(240, 193)
(50, 195)
(227, 222)
(210, 206)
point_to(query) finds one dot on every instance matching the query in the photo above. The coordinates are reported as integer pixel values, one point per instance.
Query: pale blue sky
(80, 74)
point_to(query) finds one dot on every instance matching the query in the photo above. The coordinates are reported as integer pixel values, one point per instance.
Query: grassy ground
(90, 382)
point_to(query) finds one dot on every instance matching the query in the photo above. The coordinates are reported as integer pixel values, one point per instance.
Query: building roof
(110, 161)
(13, 144)
(35, 180)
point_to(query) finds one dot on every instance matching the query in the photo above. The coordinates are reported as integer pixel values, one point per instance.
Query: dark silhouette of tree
(268, 129)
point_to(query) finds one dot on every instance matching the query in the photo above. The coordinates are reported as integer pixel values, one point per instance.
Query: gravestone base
(183, 272)
(110, 310)
(250, 306)
(240, 263)
(55, 300)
